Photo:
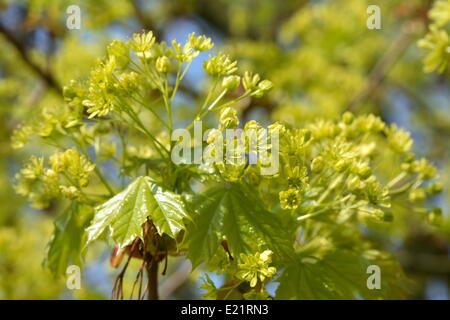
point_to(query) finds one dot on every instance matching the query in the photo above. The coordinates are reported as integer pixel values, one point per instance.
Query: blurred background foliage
(322, 59)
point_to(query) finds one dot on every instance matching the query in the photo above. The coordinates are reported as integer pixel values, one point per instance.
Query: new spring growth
(119, 51)
(68, 173)
(200, 43)
(325, 172)
(252, 84)
(290, 199)
(142, 43)
(228, 118)
(437, 40)
(220, 65)
(230, 83)
(256, 268)
(163, 64)
(183, 53)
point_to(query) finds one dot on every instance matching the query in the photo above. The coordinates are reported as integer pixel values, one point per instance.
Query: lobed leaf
(341, 274)
(68, 239)
(231, 212)
(125, 213)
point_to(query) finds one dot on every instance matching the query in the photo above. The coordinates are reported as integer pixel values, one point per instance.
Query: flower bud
(417, 195)
(163, 64)
(128, 82)
(250, 81)
(252, 125)
(263, 87)
(119, 51)
(363, 170)
(69, 192)
(230, 83)
(435, 188)
(289, 199)
(213, 135)
(69, 92)
(228, 118)
(341, 165)
(348, 117)
(277, 127)
(406, 167)
(409, 157)
(201, 43)
(220, 65)
(317, 164)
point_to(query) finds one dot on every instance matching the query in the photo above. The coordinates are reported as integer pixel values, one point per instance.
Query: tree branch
(384, 65)
(46, 76)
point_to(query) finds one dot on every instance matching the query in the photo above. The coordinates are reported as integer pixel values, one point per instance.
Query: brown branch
(425, 263)
(384, 65)
(46, 76)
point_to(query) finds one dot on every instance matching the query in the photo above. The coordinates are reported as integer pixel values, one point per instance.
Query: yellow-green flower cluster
(233, 155)
(220, 65)
(228, 118)
(253, 84)
(49, 120)
(437, 40)
(399, 139)
(142, 42)
(335, 164)
(440, 13)
(331, 164)
(200, 43)
(118, 78)
(119, 51)
(183, 53)
(72, 164)
(69, 171)
(290, 199)
(100, 99)
(256, 268)
(421, 167)
(230, 83)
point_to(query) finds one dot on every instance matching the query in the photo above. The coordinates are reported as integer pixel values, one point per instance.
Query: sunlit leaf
(232, 213)
(125, 213)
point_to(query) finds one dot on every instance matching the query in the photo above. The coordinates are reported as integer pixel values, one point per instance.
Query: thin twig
(384, 65)
(46, 76)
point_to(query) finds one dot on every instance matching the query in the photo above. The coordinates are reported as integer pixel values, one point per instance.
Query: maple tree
(346, 178)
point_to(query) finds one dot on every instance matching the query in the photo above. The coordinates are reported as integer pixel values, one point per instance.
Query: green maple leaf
(125, 213)
(232, 212)
(340, 274)
(67, 242)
